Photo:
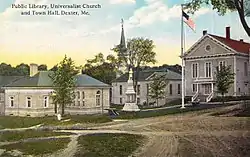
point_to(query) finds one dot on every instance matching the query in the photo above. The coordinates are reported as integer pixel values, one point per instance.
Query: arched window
(28, 101)
(11, 101)
(83, 98)
(98, 98)
(45, 101)
(78, 95)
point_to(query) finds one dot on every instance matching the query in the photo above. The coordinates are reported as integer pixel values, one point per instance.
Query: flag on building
(188, 20)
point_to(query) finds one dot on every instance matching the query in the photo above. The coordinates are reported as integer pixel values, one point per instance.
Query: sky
(46, 39)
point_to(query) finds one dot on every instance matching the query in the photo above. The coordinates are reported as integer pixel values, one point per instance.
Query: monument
(130, 104)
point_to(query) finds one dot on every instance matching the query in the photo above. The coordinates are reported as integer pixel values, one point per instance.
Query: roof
(238, 46)
(144, 75)
(42, 79)
(169, 75)
(4, 80)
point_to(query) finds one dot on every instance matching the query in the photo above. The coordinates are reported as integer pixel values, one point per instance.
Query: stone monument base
(130, 107)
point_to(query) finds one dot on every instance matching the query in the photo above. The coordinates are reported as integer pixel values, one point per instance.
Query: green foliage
(101, 69)
(224, 6)
(139, 53)
(54, 68)
(40, 148)
(157, 87)
(108, 145)
(169, 111)
(20, 70)
(64, 83)
(224, 79)
(42, 67)
(8, 136)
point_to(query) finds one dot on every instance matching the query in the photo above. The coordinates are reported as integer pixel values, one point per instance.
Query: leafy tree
(157, 88)
(101, 69)
(223, 6)
(6, 69)
(64, 83)
(224, 80)
(139, 52)
(21, 70)
(54, 68)
(42, 67)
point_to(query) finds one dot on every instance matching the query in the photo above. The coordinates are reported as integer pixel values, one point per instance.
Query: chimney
(241, 40)
(33, 69)
(204, 32)
(227, 32)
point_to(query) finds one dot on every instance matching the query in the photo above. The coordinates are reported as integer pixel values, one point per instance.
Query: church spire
(123, 41)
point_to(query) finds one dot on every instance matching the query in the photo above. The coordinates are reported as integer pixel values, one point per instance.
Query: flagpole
(182, 60)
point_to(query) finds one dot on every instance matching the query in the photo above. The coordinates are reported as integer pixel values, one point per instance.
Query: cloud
(122, 1)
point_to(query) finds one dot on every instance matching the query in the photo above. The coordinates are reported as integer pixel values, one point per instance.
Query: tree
(6, 69)
(64, 83)
(224, 79)
(42, 67)
(157, 88)
(223, 6)
(22, 70)
(101, 69)
(139, 53)
(54, 68)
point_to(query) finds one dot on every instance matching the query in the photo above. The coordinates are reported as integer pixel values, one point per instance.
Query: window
(194, 87)
(138, 100)
(147, 89)
(79, 103)
(170, 89)
(195, 70)
(28, 101)
(120, 89)
(221, 64)
(208, 69)
(45, 101)
(78, 95)
(208, 48)
(83, 97)
(98, 98)
(120, 100)
(179, 89)
(245, 69)
(138, 90)
(11, 101)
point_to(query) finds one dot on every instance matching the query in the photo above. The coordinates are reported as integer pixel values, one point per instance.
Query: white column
(212, 87)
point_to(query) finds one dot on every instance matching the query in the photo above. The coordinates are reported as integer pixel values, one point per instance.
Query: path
(164, 134)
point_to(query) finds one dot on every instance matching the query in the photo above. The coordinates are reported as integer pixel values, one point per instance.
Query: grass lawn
(38, 147)
(22, 122)
(108, 145)
(19, 135)
(162, 112)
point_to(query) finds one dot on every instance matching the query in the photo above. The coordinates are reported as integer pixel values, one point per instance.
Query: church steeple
(122, 51)
(123, 41)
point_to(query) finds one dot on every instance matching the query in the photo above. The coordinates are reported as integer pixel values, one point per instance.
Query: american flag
(188, 20)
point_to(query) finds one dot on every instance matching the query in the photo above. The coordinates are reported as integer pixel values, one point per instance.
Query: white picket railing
(210, 96)
(195, 96)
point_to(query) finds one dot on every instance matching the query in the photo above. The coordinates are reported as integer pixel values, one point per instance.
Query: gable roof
(4, 80)
(147, 74)
(143, 75)
(169, 75)
(42, 79)
(238, 46)
(233, 45)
